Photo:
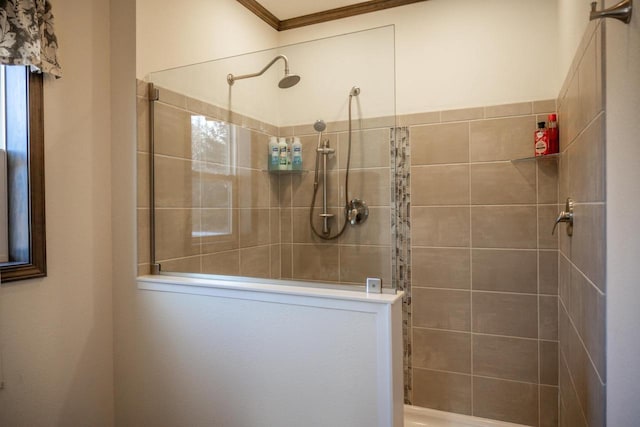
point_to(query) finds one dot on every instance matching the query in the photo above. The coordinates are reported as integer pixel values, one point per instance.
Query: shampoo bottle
(541, 140)
(274, 154)
(296, 157)
(282, 147)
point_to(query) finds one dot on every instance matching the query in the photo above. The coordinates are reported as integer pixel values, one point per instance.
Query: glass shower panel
(220, 210)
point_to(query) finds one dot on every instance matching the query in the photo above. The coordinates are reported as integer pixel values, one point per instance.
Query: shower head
(355, 91)
(286, 82)
(319, 125)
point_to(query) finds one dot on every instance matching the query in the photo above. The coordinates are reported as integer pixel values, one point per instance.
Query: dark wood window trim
(37, 265)
(323, 16)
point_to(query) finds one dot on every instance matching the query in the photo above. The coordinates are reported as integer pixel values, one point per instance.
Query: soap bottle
(289, 153)
(554, 143)
(541, 140)
(274, 154)
(296, 156)
(282, 148)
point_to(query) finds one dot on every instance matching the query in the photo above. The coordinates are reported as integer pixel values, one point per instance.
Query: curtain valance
(27, 36)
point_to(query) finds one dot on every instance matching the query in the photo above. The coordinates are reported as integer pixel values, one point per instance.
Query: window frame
(37, 265)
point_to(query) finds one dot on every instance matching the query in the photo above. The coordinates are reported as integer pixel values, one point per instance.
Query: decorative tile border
(401, 231)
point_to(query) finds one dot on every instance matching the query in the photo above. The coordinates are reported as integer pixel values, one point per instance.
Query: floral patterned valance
(26, 35)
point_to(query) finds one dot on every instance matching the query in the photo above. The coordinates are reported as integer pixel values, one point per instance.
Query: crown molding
(323, 16)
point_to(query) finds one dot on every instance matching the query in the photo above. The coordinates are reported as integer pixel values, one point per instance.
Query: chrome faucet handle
(565, 216)
(353, 216)
(356, 211)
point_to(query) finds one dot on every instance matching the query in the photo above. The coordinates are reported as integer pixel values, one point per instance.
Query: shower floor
(423, 417)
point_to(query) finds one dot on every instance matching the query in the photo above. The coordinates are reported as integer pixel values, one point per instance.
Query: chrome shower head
(355, 91)
(319, 125)
(286, 82)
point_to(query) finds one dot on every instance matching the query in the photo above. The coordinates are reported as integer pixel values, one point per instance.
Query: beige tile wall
(582, 287)
(485, 267)
(484, 264)
(217, 209)
(361, 251)
(198, 188)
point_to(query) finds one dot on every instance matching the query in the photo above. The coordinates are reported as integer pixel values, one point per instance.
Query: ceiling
(287, 9)
(287, 14)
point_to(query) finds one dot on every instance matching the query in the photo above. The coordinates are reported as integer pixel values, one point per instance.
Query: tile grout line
(584, 276)
(484, 377)
(481, 291)
(573, 385)
(538, 283)
(484, 334)
(458, 248)
(584, 347)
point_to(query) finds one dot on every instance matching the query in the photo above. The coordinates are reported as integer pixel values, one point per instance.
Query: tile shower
(582, 287)
(270, 235)
(483, 333)
(484, 264)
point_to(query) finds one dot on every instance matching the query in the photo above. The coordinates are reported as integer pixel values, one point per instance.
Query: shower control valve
(357, 211)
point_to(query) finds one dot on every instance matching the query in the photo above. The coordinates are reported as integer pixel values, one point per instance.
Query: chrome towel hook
(620, 11)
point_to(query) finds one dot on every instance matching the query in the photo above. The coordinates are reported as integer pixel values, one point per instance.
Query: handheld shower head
(319, 125)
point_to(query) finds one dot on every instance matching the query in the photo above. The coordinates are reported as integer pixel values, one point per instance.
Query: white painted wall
(172, 34)
(623, 227)
(328, 67)
(176, 33)
(127, 314)
(56, 332)
(207, 82)
(449, 53)
(573, 17)
(463, 53)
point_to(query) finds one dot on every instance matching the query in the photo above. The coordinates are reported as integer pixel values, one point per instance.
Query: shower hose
(346, 189)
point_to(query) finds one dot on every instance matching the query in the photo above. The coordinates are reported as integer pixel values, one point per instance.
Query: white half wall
(251, 354)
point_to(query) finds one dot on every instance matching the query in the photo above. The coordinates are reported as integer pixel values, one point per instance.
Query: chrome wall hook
(620, 11)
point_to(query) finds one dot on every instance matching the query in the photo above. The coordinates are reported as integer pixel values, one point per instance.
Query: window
(21, 100)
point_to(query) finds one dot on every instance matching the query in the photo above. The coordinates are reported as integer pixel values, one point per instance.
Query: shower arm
(231, 78)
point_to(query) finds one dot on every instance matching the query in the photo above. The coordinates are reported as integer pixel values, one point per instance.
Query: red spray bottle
(554, 143)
